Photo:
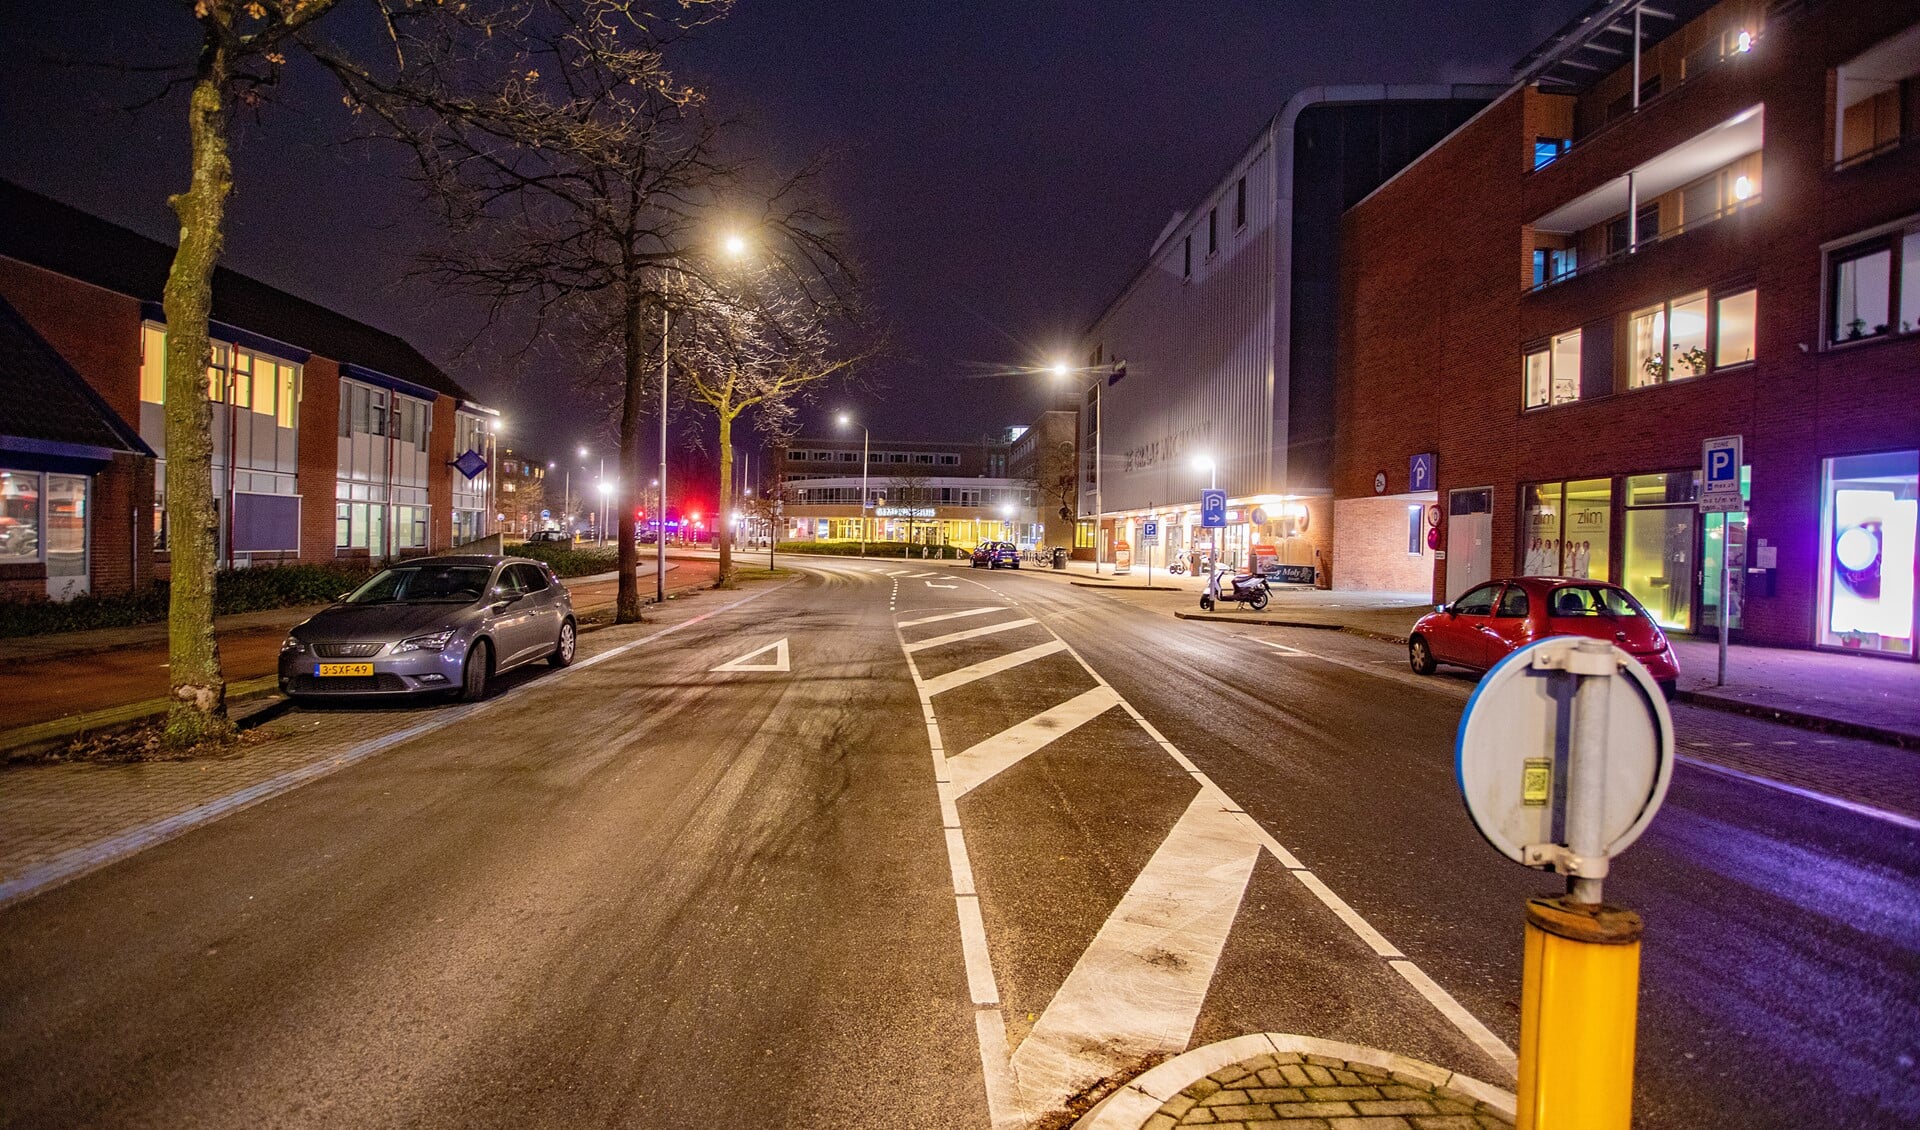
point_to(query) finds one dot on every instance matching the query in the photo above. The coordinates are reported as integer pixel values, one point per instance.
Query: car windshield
(1592, 600)
(423, 584)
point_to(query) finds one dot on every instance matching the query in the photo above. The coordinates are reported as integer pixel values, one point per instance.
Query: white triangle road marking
(745, 662)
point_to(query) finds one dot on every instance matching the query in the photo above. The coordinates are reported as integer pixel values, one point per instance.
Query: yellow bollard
(1578, 1007)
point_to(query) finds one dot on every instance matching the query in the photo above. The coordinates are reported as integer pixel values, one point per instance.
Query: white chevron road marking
(978, 764)
(968, 634)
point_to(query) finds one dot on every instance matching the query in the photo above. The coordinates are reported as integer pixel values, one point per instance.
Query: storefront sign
(1289, 574)
(904, 511)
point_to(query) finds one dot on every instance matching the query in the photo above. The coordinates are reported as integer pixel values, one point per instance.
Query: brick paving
(1292, 1091)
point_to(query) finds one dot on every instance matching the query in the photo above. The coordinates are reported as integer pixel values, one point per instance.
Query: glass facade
(1867, 526)
(1568, 529)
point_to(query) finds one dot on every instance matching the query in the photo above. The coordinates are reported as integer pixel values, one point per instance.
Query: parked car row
(445, 625)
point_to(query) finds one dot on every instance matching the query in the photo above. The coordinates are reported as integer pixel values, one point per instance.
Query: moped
(1247, 588)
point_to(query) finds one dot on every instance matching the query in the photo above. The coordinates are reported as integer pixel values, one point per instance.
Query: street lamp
(1006, 521)
(865, 442)
(1101, 376)
(1206, 463)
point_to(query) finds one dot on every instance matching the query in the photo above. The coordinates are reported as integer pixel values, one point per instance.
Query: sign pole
(1726, 594)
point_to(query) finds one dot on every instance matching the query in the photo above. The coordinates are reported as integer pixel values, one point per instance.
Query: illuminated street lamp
(1102, 375)
(1206, 463)
(865, 442)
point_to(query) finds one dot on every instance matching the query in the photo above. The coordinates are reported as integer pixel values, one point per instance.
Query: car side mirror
(1447, 608)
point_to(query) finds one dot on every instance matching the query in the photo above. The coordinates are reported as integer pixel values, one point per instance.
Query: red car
(1491, 621)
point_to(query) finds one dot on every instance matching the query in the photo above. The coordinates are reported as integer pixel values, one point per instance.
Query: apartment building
(1683, 221)
(332, 439)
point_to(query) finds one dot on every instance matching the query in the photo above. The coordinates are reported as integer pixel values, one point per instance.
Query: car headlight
(436, 642)
(292, 643)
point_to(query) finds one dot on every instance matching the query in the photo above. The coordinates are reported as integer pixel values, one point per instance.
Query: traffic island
(1289, 1082)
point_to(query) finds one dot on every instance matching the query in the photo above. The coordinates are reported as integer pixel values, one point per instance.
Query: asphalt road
(645, 892)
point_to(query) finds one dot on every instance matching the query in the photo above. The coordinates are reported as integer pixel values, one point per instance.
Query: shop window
(1733, 328)
(1867, 552)
(1553, 372)
(1669, 342)
(20, 517)
(1568, 529)
(1083, 535)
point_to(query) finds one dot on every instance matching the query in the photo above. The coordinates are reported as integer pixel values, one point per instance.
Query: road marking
(968, 634)
(931, 585)
(980, 762)
(1280, 647)
(1137, 990)
(898, 573)
(745, 662)
(911, 575)
(960, 678)
(953, 615)
(1016, 1097)
(72, 864)
(1467, 1022)
(1897, 819)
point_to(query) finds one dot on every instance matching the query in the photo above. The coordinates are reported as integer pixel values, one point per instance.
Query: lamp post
(733, 246)
(1206, 463)
(1062, 369)
(865, 442)
(606, 491)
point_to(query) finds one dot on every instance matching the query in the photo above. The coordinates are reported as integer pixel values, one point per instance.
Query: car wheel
(1259, 602)
(563, 651)
(1668, 688)
(478, 668)
(1420, 656)
(1016, 564)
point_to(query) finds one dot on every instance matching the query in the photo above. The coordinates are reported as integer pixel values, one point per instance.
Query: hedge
(580, 561)
(235, 590)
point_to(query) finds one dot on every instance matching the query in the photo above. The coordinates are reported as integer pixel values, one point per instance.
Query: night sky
(1002, 167)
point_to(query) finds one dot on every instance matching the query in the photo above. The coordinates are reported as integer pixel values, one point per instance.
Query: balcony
(1701, 181)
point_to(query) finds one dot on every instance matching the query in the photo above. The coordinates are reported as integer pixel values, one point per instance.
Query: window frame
(1888, 243)
(1550, 347)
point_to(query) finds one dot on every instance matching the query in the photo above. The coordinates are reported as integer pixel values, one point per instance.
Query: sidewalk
(59, 685)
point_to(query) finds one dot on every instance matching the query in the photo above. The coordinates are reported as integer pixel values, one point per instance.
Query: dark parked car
(445, 624)
(1491, 621)
(994, 554)
(539, 536)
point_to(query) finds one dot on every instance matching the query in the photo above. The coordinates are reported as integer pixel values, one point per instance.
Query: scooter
(1247, 588)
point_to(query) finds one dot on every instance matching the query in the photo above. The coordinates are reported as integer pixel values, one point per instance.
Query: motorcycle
(1247, 588)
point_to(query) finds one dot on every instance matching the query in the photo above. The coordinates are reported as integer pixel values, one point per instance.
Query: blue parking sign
(1213, 508)
(1420, 471)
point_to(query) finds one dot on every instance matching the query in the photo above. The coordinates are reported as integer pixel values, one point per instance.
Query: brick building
(331, 438)
(1683, 223)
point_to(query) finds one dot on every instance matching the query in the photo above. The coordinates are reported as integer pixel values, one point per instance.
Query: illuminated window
(1733, 328)
(1867, 552)
(1874, 288)
(153, 364)
(1553, 372)
(1669, 342)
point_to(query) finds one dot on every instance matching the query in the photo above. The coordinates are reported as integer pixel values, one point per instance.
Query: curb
(39, 736)
(1129, 588)
(1135, 1103)
(1799, 719)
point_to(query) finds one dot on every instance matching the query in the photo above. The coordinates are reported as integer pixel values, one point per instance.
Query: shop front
(1867, 543)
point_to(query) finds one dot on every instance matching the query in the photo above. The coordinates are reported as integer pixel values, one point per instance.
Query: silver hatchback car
(436, 624)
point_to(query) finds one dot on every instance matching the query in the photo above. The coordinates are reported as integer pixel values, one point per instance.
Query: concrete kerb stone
(1137, 1103)
(1798, 719)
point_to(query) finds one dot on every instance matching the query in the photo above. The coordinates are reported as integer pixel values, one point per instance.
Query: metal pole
(660, 543)
(1636, 56)
(1099, 505)
(600, 517)
(1726, 594)
(1592, 663)
(866, 440)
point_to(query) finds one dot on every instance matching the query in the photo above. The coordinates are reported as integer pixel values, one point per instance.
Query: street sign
(1720, 475)
(1420, 471)
(1150, 532)
(545, 515)
(1522, 734)
(1213, 508)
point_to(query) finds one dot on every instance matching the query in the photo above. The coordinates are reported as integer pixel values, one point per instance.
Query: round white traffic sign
(1513, 753)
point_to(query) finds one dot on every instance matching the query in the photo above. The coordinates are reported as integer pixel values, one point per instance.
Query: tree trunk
(723, 517)
(632, 410)
(198, 710)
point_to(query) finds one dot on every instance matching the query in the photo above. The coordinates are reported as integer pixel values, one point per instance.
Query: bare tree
(763, 346)
(242, 50)
(590, 188)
